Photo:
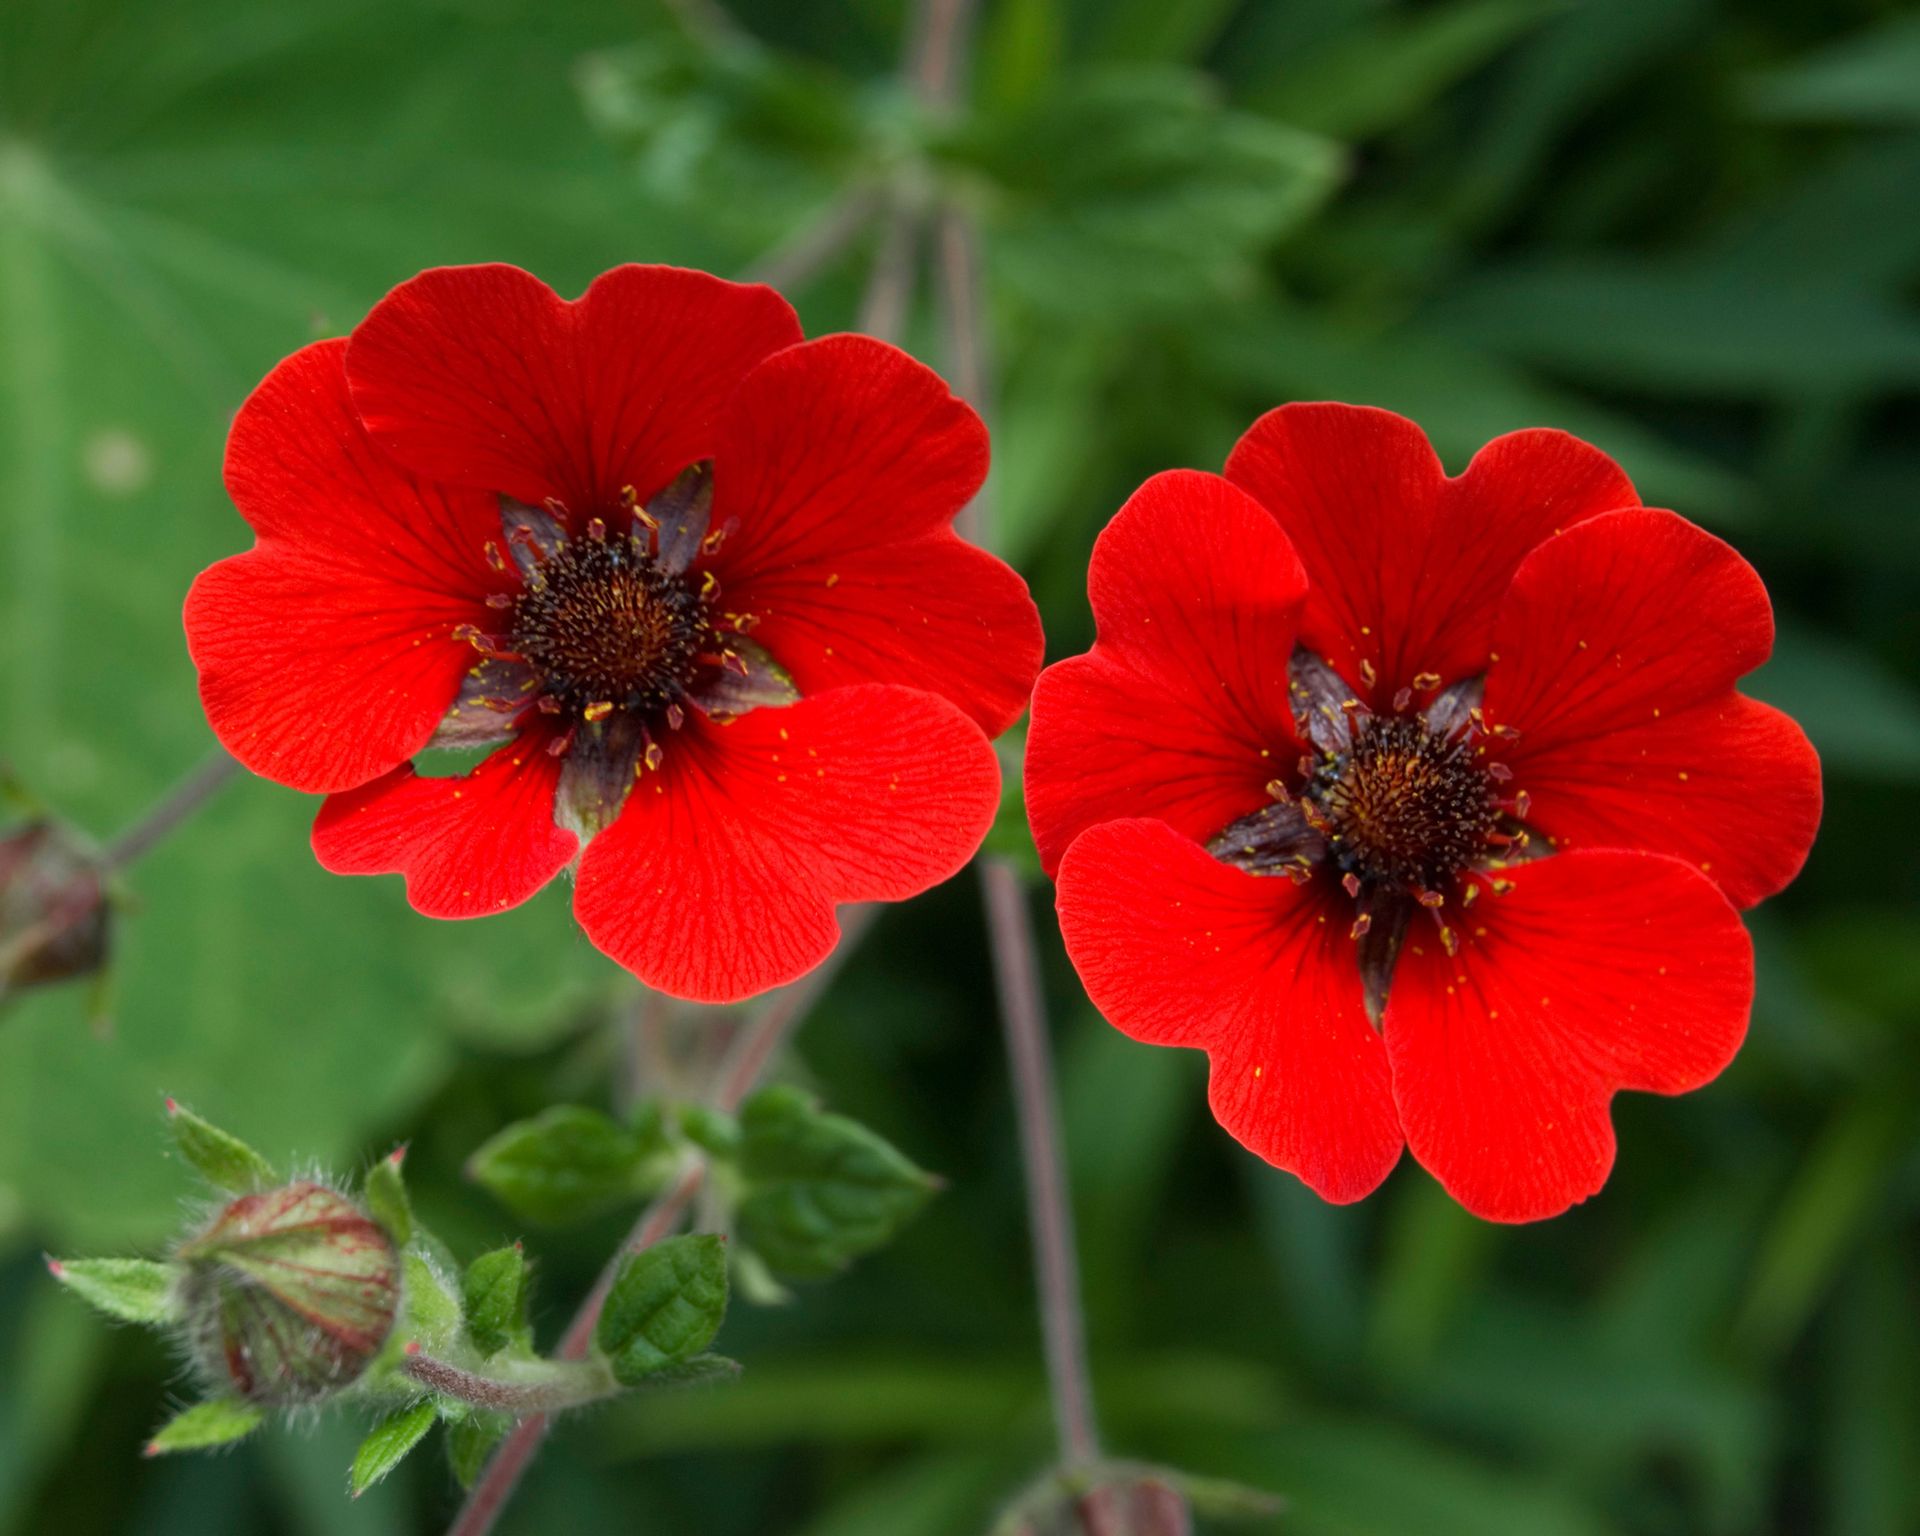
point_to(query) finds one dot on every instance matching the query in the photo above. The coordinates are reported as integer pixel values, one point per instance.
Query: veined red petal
(835, 446)
(483, 377)
(1617, 650)
(325, 653)
(469, 845)
(1176, 948)
(933, 612)
(1731, 786)
(1180, 711)
(720, 877)
(1597, 971)
(1406, 565)
(1624, 620)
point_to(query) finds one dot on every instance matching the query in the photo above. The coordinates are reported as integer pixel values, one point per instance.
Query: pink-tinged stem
(748, 1059)
(582, 1385)
(174, 807)
(1049, 1210)
(1010, 929)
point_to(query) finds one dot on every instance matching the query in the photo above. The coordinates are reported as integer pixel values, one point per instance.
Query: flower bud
(53, 907)
(289, 1294)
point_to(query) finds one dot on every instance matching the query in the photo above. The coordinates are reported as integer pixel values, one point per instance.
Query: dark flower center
(603, 624)
(1404, 805)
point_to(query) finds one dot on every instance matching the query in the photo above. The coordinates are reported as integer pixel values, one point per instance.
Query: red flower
(694, 576)
(1422, 805)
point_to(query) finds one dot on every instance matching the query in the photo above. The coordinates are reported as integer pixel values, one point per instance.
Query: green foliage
(133, 1290)
(389, 1443)
(818, 1190)
(1687, 230)
(206, 1426)
(497, 1290)
(222, 1160)
(1136, 190)
(666, 1305)
(386, 1196)
(570, 1162)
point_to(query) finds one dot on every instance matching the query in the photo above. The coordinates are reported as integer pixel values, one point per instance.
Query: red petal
(470, 845)
(1176, 948)
(1618, 646)
(325, 653)
(1407, 565)
(1180, 710)
(484, 377)
(1598, 971)
(837, 445)
(1732, 786)
(934, 613)
(1622, 621)
(721, 876)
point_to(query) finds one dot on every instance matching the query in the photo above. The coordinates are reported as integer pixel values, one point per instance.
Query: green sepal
(218, 1421)
(386, 1195)
(570, 1162)
(666, 1305)
(389, 1443)
(818, 1190)
(470, 1441)
(433, 1316)
(133, 1290)
(497, 1287)
(223, 1160)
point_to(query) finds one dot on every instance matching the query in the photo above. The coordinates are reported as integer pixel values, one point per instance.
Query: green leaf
(1872, 77)
(666, 1305)
(569, 1163)
(1138, 190)
(819, 1189)
(386, 1191)
(497, 1287)
(392, 1438)
(700, 1371)
(219, 1421)
(222, 1159)
(134, 1290)
(470, 1441)
(156, 257)
(1391, 67)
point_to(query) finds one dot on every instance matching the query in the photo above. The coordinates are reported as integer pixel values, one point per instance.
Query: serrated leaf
(134, 1290)
(222, 1159)
(389, 1444)
(496, 1287)
(570, 1162)
(700, 1371)
(820, 1189)
(386, 1191)
(471, 1440)
(1136, 189)
(219, 1421)
(666, 1305)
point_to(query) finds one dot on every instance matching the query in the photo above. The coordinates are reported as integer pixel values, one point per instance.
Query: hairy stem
(758, 1044)
(174, 807)
(552, 1388)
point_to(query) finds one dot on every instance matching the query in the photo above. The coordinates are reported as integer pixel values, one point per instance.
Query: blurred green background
(1688, 230)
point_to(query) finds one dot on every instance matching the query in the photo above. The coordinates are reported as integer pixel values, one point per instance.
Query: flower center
(1404, 806)
(603, 624)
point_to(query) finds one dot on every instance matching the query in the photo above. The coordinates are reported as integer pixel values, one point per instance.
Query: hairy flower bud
(289, 1294)
(53, 907)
